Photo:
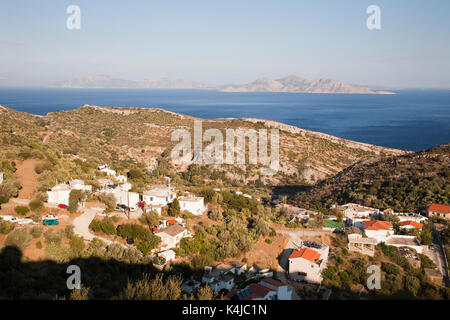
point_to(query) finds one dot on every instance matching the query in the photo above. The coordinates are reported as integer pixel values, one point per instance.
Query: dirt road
(28, 178)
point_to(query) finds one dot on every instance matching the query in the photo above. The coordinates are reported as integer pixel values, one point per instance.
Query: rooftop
(305, 253)
(442, 208)
(403, 240)
(172, 230)
(159, 191)
(411, 223)
(377, 225)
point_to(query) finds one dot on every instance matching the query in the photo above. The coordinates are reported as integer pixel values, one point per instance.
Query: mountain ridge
(290, 83)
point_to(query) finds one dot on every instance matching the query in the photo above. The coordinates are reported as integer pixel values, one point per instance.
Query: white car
(25, 221)
(9, 218)
(50, 217)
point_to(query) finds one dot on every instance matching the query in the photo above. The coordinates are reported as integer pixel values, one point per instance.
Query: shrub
(77, 245)
(57, 252)
(95, 225)
(215, 215)
(36, 205)
(39, 245)
(390, 268)
(412, 284)
(36, 231)
(53, 236)
(19, 238)
(143, 246)
(426, 262)
(268, 241)
(21, 210)
(108, 227)
(68, 231)
(5, 226)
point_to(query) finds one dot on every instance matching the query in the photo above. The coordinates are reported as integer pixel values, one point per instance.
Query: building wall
(159, 200)
(196, 208)
(312, 270)
(58, 197)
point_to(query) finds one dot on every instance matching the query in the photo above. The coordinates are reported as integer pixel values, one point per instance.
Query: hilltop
(120, 136)
(294, 83)
(406, 183)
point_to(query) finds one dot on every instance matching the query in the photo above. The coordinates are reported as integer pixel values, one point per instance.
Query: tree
(19, 238)
(412, 284)
(75, 197)
(36, 205)
(205, 293)
(156, 289)
(174, 208)
(21, 210)
(150, 218)
(108, 199)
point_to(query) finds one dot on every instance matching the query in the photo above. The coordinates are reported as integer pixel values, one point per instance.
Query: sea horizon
(409, 120)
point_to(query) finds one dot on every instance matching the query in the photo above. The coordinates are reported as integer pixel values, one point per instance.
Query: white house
(194, 205)
(125, 186)
(78, 184)
(59, 194)
(121, 178)
(410, 224)
(190, 286)
(129, 199)
(159, 195)
(379, 230)
(168, 255)
(218, 279)
(353, 210)
(266, 289)
(105, 183)
(308, 264)
(171, 236)
(106, 169)
(405, 241)
(1, 177)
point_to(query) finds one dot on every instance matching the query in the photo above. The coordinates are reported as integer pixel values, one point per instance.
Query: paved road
(81, 225)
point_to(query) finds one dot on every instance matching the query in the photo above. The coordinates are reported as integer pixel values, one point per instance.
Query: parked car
(119, 208)
(62, 206)
(141, 204)
(50, 217)
(132, 208)
(130, 241)
(50, 222)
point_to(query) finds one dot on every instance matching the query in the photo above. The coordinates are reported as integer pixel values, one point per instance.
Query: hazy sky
(226, 41)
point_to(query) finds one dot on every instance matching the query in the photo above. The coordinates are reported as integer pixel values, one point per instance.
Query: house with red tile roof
(266, 289)
(410, 224)
(307, 264)
(379, 230)
(438, 210)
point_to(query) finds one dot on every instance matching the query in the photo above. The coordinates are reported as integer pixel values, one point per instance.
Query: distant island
(290, 83)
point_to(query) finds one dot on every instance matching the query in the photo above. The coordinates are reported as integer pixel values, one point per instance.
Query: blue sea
(410, 120)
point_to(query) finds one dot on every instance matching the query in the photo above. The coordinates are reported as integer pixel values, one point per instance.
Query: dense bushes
(5, 226)
(53, 236)
(36, 231)
(144, 239)
(19, 238)
(75, 196)
(106, 226)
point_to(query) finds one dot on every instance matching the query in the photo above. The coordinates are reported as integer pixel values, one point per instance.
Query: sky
(222, 42)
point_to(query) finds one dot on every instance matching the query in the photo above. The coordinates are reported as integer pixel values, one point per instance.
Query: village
(299, 264)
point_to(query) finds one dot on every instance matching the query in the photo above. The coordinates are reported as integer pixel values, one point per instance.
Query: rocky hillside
(406, 183)
(297, 84)
(120, 136)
